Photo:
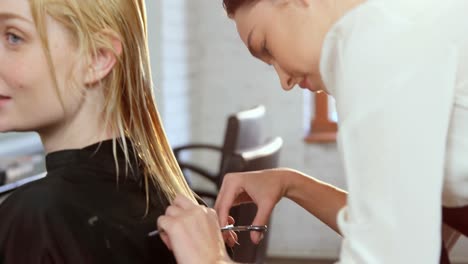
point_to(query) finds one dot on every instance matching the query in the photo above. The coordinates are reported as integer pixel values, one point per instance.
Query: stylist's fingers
(163, 224)
(193, 234)
(179, 205)
(227, 194)
(231, 220)
(173, 211)
(183, 202)
(230, 237)
(261, 218)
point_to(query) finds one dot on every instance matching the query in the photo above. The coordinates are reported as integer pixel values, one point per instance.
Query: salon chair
(263, 157)
(7, 189)
(243, 149)
(243, 131)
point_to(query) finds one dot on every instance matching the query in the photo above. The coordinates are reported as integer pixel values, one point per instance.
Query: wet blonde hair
(130, 108)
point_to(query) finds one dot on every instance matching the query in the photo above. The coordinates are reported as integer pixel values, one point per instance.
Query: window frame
(322, 128)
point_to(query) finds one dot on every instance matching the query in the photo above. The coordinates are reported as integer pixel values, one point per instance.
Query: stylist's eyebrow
(249, 44)
(7, 16)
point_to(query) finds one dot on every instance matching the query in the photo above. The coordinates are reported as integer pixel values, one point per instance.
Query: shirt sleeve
(394, 102)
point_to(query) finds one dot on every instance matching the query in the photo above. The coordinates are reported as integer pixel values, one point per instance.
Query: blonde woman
(77, 72)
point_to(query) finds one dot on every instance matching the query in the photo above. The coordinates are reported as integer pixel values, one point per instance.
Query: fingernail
(234, 240)
(259, 238)
(233, 243)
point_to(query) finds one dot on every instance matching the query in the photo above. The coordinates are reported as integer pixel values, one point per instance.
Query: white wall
(203, 74)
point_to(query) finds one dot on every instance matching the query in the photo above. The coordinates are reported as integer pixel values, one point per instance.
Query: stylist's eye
(13, 39)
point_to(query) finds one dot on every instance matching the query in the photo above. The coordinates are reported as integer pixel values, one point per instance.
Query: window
(323, 126)
(16, 144)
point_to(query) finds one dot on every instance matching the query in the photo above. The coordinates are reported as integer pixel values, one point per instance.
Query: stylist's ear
(104, 60)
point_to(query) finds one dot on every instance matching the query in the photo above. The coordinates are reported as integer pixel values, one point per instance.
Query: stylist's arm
(192, 232)
(265, 188)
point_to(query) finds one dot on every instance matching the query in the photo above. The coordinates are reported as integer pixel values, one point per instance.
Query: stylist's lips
(306, 84)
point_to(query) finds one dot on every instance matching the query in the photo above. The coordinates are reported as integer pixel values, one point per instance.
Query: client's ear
(102, 63)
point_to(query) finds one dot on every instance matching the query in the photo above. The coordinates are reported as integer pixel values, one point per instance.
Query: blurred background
(202, 73)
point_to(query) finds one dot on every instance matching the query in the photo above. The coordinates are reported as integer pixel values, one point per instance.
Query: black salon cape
(78, 214)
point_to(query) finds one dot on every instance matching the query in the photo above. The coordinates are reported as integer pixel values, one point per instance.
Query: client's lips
(4, 97)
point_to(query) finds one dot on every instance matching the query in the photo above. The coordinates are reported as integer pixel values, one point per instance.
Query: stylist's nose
(286, 80)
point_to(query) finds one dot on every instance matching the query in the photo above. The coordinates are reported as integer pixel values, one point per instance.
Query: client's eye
(13, 39)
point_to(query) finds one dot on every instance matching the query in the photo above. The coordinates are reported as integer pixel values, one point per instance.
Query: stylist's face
(28, 97)
(287, 34)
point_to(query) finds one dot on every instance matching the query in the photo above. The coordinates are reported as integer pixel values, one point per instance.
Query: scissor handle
(255, 228)
(263, 228)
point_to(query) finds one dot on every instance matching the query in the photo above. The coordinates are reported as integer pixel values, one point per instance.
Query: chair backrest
(3, 177)
(263, 157)
(243, 131)
(6, 189)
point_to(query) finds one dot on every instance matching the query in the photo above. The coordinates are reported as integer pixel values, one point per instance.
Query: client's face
(28, 96)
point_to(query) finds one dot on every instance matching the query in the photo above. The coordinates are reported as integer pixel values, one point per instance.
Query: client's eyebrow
(7, 16)
(249, 44)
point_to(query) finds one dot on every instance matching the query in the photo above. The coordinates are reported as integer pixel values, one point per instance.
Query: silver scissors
(234, 228)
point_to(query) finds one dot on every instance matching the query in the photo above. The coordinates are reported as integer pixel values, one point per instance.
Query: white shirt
(398, 70)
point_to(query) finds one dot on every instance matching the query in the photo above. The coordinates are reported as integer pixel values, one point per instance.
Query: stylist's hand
(192, 232)
(264, 188)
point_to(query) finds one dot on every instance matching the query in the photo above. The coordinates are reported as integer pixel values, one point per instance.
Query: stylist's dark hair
(232, 6)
